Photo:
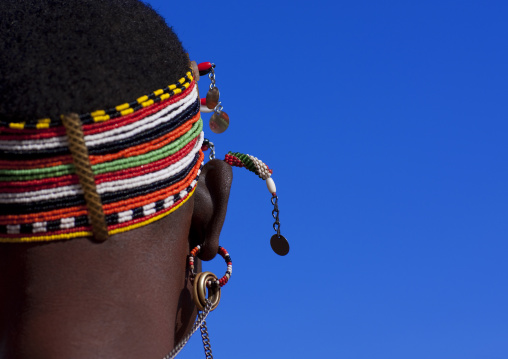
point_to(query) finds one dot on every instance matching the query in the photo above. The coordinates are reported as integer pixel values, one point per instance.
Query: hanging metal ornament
(212, 97)
(278, 242)
(219, 122)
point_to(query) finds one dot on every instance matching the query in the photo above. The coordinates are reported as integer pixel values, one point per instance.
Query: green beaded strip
(251, 163)
(116, 165)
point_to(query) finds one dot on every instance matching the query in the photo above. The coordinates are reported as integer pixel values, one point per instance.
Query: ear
(210, 205)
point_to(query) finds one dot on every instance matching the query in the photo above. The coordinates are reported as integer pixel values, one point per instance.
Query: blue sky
(386, 126)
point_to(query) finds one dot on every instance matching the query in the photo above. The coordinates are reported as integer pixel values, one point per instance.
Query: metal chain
(211, 76)
(198, 323)
(218, 109)
(206, 341)
(275, 214)
(209, 145)
(212, 150)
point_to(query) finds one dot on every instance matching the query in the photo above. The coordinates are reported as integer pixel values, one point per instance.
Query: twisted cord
(81, 161)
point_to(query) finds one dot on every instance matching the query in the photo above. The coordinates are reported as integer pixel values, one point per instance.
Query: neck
(125, 298)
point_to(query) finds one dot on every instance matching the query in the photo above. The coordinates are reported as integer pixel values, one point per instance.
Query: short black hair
(60, 56)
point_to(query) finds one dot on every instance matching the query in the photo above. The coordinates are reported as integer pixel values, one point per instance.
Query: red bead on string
(224, 254)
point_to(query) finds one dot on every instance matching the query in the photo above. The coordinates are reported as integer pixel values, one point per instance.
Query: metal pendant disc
(219, 122)
(279, 245)
(212, 98)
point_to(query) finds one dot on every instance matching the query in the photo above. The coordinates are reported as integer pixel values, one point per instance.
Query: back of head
(78, 298)
(62, 56)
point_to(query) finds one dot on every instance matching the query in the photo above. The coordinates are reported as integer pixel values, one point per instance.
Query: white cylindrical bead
(205, 109)
(271, 185)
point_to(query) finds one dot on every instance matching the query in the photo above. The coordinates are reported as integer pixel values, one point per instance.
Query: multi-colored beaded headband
(145, 157)
(109, 171)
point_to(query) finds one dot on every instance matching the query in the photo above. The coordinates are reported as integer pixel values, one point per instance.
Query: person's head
(64, 293)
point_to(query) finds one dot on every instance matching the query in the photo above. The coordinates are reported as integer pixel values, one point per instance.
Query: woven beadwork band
(144, 158)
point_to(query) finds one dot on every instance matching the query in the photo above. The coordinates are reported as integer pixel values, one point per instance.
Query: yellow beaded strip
(89, 233)
(123, 109)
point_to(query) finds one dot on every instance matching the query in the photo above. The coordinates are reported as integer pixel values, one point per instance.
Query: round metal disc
(212, 98)
(219, 122)
(279, 245)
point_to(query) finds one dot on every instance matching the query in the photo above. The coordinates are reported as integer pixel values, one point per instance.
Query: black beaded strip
(112, 147)
(66, 202)
(82, 221)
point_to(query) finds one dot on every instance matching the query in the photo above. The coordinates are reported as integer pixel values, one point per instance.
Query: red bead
(204, 66)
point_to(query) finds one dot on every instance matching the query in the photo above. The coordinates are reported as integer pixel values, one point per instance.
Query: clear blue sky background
(385, 123)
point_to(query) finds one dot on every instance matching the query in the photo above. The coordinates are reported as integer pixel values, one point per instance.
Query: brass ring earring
(204, 281)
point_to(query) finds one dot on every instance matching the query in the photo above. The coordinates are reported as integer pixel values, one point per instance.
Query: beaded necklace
(145, 157)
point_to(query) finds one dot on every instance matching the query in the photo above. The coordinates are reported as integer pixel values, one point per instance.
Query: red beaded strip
(108, 208)
(224, 253)
(252, 163)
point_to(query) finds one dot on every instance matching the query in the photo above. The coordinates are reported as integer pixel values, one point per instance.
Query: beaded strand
(224, 254)
(254, 165)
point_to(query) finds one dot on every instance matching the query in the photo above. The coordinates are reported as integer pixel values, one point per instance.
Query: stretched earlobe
(210, 205)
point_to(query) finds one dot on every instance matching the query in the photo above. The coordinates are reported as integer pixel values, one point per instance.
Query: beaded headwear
(145, 157)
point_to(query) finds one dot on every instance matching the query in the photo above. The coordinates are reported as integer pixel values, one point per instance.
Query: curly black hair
(60, 56)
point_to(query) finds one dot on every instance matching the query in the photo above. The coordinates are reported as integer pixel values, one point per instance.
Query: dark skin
(129, 297)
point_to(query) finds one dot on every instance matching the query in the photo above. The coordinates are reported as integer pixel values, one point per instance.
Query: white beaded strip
(146, 123)
(261, 167)
(113, 135)
(43, 194)
(150, 178)
(105, 187)
(125, 216)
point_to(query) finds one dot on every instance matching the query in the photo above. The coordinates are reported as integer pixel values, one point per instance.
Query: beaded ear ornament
(278, 242)
(204, 282)
(219, 122)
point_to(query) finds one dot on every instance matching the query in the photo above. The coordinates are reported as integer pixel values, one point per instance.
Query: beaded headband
(145, 157)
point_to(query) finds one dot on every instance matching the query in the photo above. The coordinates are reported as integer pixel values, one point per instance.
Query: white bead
(68, 222)
(205, 109)
(271, 185)
(13, 228)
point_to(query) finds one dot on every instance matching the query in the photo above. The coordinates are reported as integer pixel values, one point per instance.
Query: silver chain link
(206, 341)
(212, 150)
(211, 76)
(275, 214)
(200, 320)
